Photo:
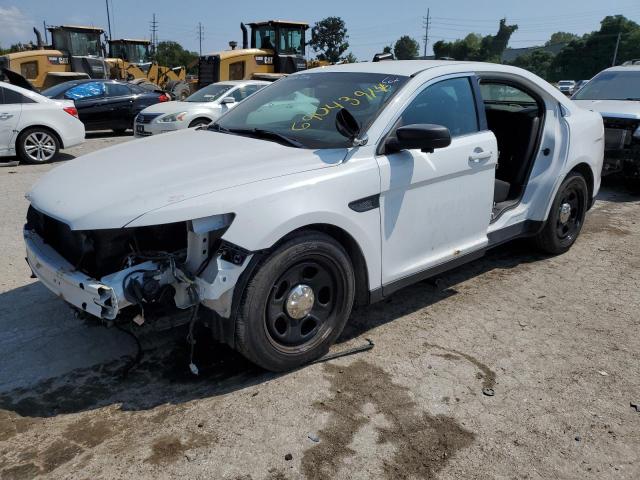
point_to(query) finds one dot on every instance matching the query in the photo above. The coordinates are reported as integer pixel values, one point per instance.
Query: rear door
(120, 101)
(10, 111)
(92, 104)
(436, 207)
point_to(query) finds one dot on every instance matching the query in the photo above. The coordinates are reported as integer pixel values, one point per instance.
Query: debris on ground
(313, 437)
(288, 457)
(489, 392)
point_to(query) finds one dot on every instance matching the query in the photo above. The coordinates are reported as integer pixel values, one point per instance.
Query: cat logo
(58, 60)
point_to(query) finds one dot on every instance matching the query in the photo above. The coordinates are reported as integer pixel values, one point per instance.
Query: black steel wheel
(297, 303)
(566, 216)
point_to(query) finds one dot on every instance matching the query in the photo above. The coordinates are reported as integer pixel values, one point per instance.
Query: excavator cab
(275, 48)
(83, 47)
(132, 51)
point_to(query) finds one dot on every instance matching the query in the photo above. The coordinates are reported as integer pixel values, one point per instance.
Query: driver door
(436, 207)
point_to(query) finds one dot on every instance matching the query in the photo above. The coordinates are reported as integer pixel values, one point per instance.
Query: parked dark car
(106, 104)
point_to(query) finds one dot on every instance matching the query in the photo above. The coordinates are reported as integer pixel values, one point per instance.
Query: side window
(29, 70)
(449, 103)
(85, 90)
(2, 102)
(117, 90)
(12, 97)
(500, 93)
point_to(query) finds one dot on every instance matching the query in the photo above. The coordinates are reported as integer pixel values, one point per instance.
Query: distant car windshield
(303, 107)
(612, 85)
(209, 93)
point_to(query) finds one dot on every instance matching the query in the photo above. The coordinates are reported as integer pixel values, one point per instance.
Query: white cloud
(14, 26)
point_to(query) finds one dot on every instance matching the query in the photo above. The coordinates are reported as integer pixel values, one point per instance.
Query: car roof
(389, 67)
(623, 68)
(80, 81)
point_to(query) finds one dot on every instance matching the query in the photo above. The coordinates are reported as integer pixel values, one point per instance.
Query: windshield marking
(368, 93)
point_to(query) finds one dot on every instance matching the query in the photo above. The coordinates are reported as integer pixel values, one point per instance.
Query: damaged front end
(158, 268)
(622, 146)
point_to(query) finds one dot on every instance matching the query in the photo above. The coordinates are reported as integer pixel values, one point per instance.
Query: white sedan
(381, 175)
(201, 108)
(35, 127)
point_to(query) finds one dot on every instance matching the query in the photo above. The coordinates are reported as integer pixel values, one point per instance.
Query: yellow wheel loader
(75, 52)
(130, 60)
(276, 48)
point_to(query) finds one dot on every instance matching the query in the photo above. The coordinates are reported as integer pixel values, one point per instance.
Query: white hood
(176, 107)
(612, 108)
(111, 187)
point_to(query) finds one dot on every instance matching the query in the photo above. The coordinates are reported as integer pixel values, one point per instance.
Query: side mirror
(227, 100)
(426, 137)
(348, 127)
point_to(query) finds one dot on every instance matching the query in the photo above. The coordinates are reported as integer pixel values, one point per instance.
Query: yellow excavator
(75, 52)
(78, 52)
(130, 60)
(276, 48)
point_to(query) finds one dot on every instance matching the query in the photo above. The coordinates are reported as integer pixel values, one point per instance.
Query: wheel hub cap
(300, 301)
(565, 213)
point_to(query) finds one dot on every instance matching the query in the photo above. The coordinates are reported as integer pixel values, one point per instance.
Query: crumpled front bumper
(104, 298)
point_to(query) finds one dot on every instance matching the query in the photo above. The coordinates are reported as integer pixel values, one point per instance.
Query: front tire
(199, 122)
(37, 145)
(566, 216)
(296, 304)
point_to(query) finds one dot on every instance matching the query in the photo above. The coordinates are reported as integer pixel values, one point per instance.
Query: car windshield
(209, 93)
(612, 85)
(303, 107)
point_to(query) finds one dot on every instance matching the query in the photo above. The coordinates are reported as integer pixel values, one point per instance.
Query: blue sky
(371, 25)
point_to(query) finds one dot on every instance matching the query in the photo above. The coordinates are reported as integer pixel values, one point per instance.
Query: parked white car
(201, 108)
(615, 94)
(567, 87)
(396, 171)
(35, 127)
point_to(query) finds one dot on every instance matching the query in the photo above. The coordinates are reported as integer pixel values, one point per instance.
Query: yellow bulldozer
(75, 52)
(78, 52)
(276, 48)
(130, 60)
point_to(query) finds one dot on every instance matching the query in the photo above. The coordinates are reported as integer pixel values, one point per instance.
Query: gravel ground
(555, 339)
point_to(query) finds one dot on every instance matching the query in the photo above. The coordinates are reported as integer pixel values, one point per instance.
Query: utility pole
(200, 35)
(154, 34)
(108, 19)
(44, 26)
(615, 52)
(426, 23)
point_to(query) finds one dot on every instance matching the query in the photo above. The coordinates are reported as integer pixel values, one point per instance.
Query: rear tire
(296, 304)
(566, 216)
(37, 145)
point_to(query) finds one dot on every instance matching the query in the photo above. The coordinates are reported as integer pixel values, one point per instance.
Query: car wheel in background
(297, 303)
(566, 216)
(199, 121)
(37, 145)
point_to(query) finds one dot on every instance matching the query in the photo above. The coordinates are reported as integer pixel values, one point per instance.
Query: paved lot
(556, 339)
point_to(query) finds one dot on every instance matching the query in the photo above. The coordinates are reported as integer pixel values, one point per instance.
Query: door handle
(5, 116)
(478, 156)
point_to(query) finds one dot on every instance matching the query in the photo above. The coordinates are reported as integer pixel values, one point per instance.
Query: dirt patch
(602, 220)
(485, 374)
(170, 449)
(423, 443)
(59, 453)
(26, 471)
(89, 434)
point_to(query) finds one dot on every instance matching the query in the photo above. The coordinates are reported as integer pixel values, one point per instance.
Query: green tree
(406, 48)
(561, 37)
(350, 58)
(476, 47)
(171, 54)
(593, 52)
(387, 49)
(329, 39)
(538, 62)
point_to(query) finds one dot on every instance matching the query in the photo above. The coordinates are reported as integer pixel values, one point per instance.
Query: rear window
(11, 97)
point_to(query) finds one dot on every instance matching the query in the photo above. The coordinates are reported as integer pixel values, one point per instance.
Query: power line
(154, 34)
(426, 22)
(200, 35)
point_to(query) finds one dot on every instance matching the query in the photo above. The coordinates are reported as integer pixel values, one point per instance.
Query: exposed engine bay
(158, 268)
(622, 146)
